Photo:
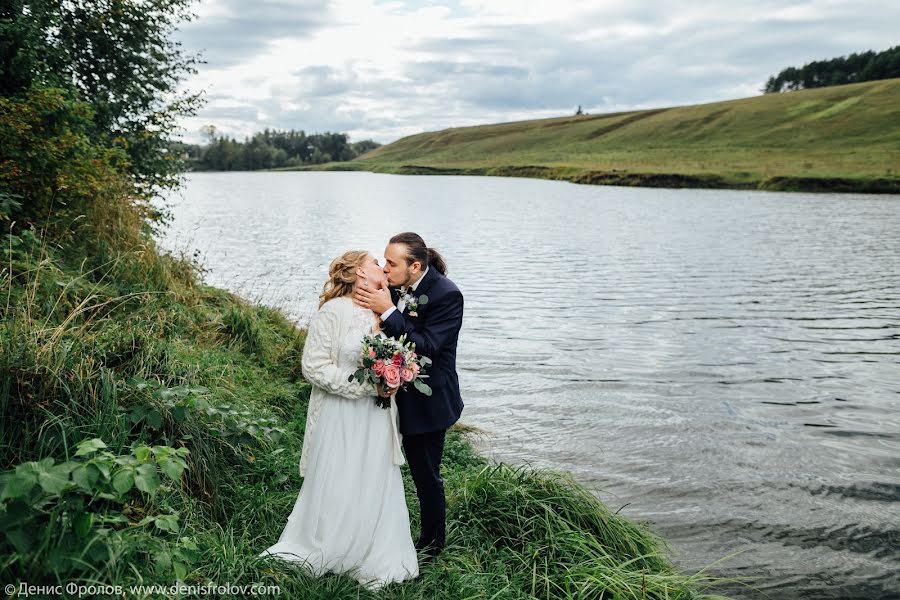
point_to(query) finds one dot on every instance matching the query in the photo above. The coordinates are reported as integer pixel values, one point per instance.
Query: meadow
(836, 139)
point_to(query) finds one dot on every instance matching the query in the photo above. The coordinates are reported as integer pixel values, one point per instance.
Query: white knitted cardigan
(319, 365)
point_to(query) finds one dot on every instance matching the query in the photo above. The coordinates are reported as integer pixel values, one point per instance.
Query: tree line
(855, 68)
(271, 149)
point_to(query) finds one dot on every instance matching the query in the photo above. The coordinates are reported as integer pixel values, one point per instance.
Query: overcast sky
(383, 70)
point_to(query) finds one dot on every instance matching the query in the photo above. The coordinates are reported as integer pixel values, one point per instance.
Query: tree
(18, 48)
(117, 56)
(272, 148)
(363, 146)
(209, 133)
(866, 66)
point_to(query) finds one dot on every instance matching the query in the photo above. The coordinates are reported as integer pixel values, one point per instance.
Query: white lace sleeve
(323, 341)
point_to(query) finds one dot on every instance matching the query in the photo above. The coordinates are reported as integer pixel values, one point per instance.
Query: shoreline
(778, 183)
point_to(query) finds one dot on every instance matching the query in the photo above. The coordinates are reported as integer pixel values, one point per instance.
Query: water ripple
(721, 363)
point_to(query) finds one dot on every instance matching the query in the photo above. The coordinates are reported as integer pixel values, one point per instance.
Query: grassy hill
(844, 138)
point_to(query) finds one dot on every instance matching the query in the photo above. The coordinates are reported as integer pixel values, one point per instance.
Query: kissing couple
(351, 515)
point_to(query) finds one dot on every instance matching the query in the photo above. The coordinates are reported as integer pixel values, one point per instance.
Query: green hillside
(844, 138)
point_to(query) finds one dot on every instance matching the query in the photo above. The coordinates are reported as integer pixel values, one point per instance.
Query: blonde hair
(342, 275)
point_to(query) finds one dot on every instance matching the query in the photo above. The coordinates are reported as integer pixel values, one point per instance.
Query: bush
(83, 517)
(54, 180)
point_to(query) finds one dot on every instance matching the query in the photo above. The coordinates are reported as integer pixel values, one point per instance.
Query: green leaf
(172, 467)
(142, 453)
(123, 480)
(163, 560)
(83, 523)
(179, 413)
(86, 447)
(125, 459)
(146, 478)
(164, 394)
(167, 522)
(141, 383)
(422, 386)
(85, 476)
(55, 479)
(18, 485)
(102, 466)
(137, 414)
(423, 299)
(154, 419)
(181, 570)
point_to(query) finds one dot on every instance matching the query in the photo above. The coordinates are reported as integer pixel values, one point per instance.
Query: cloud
(227, 32)
(388, 69)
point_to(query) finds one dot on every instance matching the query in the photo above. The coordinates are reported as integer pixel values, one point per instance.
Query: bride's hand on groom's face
(377, 300)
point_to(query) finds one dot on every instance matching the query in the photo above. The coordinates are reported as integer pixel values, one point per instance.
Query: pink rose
(392, 376)
(406, 374)
(398, 360)
(371, 353)
(415, 369)
(378, 367)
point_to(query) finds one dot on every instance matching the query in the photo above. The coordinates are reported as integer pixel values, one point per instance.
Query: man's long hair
(416, 250)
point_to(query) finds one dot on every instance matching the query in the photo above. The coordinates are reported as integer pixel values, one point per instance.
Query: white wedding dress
(350, 515)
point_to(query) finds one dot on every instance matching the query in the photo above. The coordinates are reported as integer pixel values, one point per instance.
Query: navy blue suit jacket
(435, 330)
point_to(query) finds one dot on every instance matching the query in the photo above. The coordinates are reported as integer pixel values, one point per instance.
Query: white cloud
(389, 69)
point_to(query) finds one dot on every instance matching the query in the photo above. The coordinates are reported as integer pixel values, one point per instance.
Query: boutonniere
(413, 302)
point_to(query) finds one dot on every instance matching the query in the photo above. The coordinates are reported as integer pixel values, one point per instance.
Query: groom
(428, 308)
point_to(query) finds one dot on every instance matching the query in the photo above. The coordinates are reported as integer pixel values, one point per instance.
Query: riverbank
(135, 351)
(838, 139)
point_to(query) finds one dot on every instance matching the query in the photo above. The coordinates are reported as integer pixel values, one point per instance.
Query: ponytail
(437, 261)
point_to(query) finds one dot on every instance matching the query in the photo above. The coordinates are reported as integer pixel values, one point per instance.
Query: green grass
(844, 138)
(86, 340)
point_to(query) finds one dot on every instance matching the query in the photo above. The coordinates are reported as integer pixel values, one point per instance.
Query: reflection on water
(723, 363)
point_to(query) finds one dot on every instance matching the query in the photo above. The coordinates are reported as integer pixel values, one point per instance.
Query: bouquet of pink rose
(393, 364)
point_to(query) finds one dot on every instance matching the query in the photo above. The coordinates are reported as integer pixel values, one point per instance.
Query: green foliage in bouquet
(392, 363)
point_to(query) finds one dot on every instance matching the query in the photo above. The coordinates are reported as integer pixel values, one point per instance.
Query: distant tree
(855, 68)
(209, 133)
(271, 148)
(364, 146)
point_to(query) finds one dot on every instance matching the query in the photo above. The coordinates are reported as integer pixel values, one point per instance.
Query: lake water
(723, 364)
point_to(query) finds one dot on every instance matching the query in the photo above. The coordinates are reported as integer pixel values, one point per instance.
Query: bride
(350, 515)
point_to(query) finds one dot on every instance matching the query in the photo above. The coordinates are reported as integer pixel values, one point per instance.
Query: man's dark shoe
(429, 552)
